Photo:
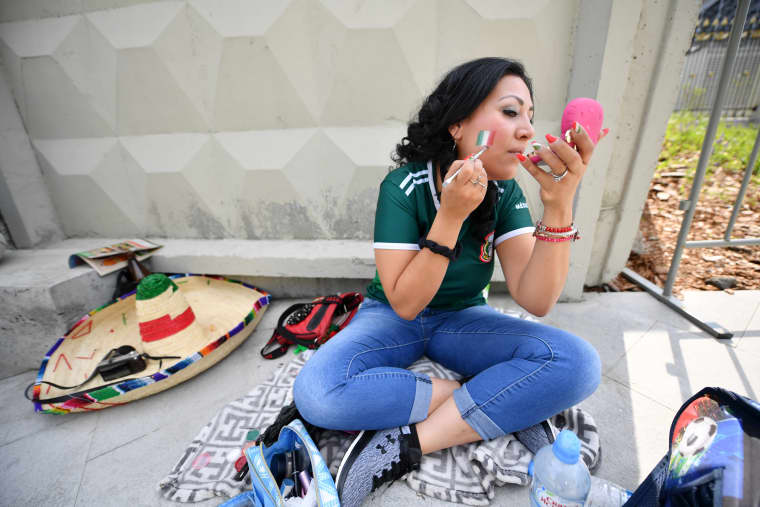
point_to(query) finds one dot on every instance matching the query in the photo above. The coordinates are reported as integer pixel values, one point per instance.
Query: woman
(434, 244)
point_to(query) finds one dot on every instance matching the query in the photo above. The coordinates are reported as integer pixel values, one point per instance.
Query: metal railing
(699, 78)
(665, 294)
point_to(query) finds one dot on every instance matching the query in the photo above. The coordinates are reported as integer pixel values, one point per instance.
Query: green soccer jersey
(406, 207)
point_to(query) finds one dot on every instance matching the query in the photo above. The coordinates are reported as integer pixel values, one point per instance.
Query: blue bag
(270, 466)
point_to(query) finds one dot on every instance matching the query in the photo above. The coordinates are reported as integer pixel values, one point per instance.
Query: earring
(453, 145)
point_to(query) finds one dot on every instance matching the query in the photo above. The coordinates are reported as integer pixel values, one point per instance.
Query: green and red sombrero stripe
(99, 394)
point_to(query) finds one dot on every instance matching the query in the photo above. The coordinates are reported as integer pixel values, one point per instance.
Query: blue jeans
(524, 372)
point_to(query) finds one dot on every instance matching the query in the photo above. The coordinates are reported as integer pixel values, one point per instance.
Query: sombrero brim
(227, 311)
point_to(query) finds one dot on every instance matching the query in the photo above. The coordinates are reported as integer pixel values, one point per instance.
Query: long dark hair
(455, 98)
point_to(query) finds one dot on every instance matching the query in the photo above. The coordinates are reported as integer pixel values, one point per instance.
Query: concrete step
(41, 298)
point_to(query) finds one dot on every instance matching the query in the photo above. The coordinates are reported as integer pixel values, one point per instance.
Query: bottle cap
(567, 447)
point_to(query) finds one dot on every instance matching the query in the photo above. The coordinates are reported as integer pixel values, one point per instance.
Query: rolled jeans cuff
(474, 416)
(422, 395)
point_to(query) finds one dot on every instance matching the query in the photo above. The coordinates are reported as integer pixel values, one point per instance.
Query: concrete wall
(274, 120)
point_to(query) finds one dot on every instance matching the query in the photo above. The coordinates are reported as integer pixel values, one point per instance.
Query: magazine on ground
(114, 257)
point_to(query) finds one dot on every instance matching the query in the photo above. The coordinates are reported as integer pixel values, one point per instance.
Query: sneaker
(373, 459)
(537, 436)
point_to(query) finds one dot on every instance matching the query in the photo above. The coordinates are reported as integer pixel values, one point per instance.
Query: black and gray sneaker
(537, 436)
(375, 458)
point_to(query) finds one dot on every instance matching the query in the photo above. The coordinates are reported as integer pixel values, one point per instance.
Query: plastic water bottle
(606, 494)
(560, 477)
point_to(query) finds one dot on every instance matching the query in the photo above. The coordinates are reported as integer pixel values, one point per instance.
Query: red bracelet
(557, 239)
(541, 227)
(554, 237)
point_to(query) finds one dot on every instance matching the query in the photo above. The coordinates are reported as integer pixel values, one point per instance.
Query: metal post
(743, 189)
(707, 146)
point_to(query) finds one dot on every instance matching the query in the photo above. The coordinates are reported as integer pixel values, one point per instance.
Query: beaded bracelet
(555, 234)
(557, 239)
(540, 227)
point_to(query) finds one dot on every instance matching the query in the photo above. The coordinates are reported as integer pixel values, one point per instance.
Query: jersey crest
(486, 249)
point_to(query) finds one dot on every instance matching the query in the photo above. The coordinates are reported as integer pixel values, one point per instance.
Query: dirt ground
(661, 223)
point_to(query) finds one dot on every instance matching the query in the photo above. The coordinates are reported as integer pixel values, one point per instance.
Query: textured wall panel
(89, 61)
(73, 169)
(240, 18)
(192, 50)
(253, 91)
(307, 41)
(138, 26)
(248, 118)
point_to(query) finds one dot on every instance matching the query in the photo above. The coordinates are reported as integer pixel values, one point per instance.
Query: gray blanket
(465, 474)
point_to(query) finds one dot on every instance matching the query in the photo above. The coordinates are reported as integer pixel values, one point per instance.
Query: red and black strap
(311, 324)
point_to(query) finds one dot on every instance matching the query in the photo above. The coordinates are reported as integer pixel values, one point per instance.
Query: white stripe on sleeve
(395, 246)
(513, 233)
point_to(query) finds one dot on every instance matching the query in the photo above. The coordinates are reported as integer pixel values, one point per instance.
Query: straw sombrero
(165, 332)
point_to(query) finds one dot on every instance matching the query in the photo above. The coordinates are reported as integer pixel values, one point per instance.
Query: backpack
(714, 456)
(312, 324)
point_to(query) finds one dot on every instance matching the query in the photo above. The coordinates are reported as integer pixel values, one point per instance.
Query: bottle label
(545, 497)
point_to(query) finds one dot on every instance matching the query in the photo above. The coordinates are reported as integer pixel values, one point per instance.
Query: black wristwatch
(440, 249)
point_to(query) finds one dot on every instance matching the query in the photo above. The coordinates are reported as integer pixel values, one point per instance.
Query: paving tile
(633, 430)
(18, 418)
(748, 341)
(45, 468)
(669, 365)
(731, 311)
(129, 474)
(612, 323)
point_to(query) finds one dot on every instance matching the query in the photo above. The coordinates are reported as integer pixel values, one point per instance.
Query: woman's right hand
(466, 191)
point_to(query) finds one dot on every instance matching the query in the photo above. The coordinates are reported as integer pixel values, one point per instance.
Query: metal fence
(699, 78)
(725, 90)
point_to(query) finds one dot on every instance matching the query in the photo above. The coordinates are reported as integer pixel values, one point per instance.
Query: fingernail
(577, 127)
(536, 146)
(605, 131)
(568, 139)
(469, 157)
(520, 156)
(550, 138)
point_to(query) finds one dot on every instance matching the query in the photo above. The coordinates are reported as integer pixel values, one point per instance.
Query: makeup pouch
(291, 468)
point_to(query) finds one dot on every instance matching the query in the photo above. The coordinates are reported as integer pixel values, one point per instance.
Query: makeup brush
(484, 141)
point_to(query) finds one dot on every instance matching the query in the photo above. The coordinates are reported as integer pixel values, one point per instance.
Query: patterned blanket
(466, 474)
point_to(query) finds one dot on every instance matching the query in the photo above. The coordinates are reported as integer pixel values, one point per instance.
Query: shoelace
(398, 468)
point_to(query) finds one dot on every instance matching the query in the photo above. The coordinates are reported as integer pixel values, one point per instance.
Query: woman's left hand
(567, 164)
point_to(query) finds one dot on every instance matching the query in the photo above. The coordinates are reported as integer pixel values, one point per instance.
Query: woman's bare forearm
(422, 277)
(545, 274)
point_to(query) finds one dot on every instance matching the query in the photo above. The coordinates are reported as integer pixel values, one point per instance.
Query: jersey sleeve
(396, 226)
(513, 215)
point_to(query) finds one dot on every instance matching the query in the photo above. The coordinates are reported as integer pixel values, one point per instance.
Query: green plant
(683, 142)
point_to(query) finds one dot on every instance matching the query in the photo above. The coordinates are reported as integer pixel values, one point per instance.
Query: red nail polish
(604, 131)
(520, 156)
(550, 138)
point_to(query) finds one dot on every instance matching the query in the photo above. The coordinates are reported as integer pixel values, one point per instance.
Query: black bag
(714, 456)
